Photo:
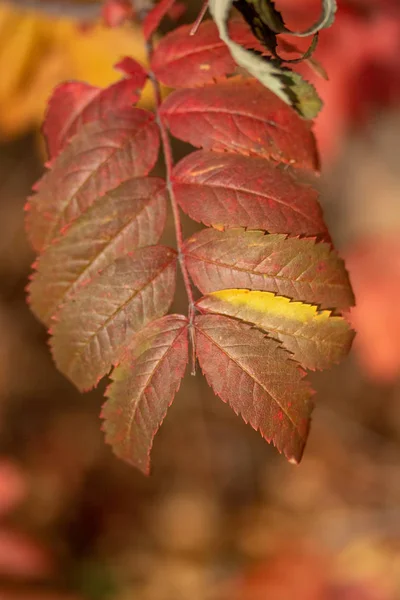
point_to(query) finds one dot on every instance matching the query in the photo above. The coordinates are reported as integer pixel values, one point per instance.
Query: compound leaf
(273, 286)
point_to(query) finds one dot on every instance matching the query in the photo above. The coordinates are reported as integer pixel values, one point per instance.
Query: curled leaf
(288, 86)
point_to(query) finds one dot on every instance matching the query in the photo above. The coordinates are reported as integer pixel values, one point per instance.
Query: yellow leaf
(315, 338)
(39, 52)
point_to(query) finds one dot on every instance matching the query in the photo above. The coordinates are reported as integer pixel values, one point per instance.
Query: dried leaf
(143, 387)
(221, 117)
(238, 191)
(316, 339)
(106, 153)
(256, 377)
(95, 326)
(297, 268)
(129, 217)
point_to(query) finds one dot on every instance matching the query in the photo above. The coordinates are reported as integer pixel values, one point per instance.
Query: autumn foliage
(272, 286)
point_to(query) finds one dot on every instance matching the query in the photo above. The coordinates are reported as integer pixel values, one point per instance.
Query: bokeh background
(222, 516)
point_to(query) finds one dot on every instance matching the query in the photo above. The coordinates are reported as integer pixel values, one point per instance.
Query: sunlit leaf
(316, 339)
(297, 268)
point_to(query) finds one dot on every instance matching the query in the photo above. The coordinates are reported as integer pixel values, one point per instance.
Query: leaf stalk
(168, 161)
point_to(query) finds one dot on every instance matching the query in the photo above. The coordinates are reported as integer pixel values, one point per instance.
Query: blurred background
(222, 516)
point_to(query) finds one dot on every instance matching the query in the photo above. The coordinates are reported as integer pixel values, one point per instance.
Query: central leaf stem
(168, 160)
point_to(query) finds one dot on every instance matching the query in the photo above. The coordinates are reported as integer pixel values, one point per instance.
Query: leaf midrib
(257, 273)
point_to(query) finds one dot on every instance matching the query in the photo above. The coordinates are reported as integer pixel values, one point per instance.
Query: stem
(199, 18)
(168, 160)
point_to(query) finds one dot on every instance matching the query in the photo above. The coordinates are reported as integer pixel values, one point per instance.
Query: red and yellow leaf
(75, 103)
(297, 268)
(143, 387)
(94, 327)
(242, 116)
(267, 276)
(240, 191)
(131, 216)
(256, 377)
(316, 339)
(106, 153)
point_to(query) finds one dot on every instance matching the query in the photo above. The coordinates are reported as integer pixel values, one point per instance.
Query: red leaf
(184, 60)
(94, 327)
(233, 191)
(131, 216)
(155, 16)
(297, 268)
(106, 153)
(73, 104)
(256, 377)
(144, 385)
(243, 117)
